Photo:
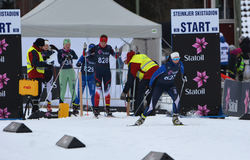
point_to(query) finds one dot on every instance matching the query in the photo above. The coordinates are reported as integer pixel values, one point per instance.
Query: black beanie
(39, 42)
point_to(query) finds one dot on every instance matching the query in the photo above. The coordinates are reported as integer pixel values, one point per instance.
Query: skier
(161, 81)
(224, 54)
(90, 68)
(67, 74)
(46, 53)
(142, 67)
(102, 51)
(36, 68)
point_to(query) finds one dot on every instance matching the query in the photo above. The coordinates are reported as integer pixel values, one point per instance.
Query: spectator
(244, 43)
(46, 53)
(240, 66)
(232, 62)
(224, 54)
(36, 68)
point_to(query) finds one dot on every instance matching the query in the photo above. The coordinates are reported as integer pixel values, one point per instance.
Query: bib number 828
(103, 60)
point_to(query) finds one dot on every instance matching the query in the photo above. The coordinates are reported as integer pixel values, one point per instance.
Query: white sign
(193, 21)
(10, 22)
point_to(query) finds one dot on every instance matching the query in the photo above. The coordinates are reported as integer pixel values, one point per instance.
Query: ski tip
(131, 125)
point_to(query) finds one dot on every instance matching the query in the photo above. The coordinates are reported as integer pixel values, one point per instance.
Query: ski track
(109, 138)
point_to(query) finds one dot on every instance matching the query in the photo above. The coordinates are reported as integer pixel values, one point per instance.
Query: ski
(179, 125)
(132, 125)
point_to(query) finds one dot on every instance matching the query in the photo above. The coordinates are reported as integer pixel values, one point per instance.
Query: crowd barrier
(236, 98)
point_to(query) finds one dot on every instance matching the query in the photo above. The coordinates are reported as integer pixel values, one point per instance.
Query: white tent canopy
(91, 18)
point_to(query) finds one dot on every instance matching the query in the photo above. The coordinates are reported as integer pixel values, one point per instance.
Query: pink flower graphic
(199, 44)
(201, 77)
(227, 98)
(4, 113)
(202, 110)
(3, 80)
(246, 100)
(3, 45)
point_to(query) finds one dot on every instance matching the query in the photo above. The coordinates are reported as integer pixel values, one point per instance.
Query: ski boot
(140, 121)
(75, 109)
(176, 120)
(96, 111)
(108, 112)
(35, 108)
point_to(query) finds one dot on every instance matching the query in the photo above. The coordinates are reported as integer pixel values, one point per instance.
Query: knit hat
(236, 51)
(66, 41)
(39, 42)
(221, 34)
(174, 55)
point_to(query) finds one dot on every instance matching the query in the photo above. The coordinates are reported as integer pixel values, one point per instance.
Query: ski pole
(77, 76)
(120, 72)
(86, 83)
(146, 95)
(133, 102)
(182, 88)
(54, 83)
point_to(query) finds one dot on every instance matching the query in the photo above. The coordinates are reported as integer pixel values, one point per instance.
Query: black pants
(35, 100)
(223, 69)
(161, 86)
(141, 88)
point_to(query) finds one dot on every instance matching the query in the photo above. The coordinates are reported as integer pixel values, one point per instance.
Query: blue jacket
(170, 69)
(91, 61)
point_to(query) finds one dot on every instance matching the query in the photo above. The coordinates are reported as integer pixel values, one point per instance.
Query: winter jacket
(140, 66)
(35, 63)
(66, 57)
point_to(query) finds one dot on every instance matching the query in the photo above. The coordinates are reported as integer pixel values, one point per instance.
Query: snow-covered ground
(111, 139)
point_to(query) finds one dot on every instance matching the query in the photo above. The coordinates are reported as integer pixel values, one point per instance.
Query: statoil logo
(189, 91)
(200, 45)
(189, 58)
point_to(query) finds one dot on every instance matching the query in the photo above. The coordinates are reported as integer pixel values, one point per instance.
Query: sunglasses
(176, 59)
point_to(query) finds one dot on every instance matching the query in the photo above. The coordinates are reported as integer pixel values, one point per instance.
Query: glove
(116, 52)
(84, 46)
(123, 96)
(148, 91)
(84, 53)
(69, 56)
(116, 49)
(78, 64)
(184, 78)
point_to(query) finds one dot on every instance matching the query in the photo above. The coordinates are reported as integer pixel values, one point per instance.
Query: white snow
(111, 138)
